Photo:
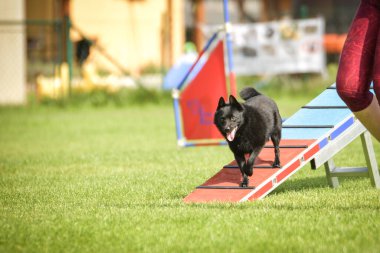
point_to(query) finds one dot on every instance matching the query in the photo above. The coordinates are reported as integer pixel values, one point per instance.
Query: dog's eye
(222, 120)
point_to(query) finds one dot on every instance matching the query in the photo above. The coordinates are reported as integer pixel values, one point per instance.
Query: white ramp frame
(325, 157)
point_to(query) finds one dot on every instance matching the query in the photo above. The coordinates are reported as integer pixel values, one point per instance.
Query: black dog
(248, 126)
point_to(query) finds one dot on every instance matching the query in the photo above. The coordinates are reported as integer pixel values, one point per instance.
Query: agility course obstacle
(194, 103)
(195, 98)
(316, 133)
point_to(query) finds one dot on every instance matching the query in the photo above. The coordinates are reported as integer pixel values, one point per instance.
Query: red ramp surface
(224, 186)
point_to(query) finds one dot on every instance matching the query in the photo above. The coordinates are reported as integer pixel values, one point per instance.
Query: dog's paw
(276, 165)
(244, 183)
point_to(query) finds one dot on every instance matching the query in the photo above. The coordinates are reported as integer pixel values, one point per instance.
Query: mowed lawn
(112, 180)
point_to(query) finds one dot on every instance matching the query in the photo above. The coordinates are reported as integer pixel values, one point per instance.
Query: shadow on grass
(295, 194)
(283, 198)
(302, 184)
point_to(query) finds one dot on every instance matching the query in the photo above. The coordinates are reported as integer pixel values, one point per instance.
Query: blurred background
(51, 49)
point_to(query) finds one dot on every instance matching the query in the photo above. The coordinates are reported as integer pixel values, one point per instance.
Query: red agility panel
(224, 186)
(200, 98)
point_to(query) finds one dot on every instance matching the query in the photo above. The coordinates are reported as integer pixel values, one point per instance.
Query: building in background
(337, 14)
(128, 36)
(12, 52)
(135, 33)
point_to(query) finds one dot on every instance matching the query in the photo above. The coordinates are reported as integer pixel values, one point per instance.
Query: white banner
(281, 47)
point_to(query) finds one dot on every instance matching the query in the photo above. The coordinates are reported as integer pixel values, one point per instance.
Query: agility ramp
(316, 133)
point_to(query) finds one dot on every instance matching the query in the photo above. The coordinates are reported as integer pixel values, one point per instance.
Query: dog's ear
(221, 103)
(235, 103)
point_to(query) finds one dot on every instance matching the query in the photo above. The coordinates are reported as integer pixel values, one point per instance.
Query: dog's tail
(248, 93)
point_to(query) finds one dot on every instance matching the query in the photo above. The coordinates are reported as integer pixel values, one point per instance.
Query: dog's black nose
(227, 129)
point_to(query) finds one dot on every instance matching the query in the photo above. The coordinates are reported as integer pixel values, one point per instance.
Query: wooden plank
(304, 133)
(219, 187)
(327, 98)
(349, 172)
(315, 117)
(215, 195)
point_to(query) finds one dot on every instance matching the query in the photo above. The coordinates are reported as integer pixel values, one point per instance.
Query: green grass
(111, 179)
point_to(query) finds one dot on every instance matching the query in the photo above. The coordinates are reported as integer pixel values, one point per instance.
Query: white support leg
(331, 180)
(369, 153)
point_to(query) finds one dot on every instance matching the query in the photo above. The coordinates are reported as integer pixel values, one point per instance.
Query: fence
(28, 48)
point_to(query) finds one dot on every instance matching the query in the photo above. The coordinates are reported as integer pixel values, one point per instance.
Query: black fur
(248, 126)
